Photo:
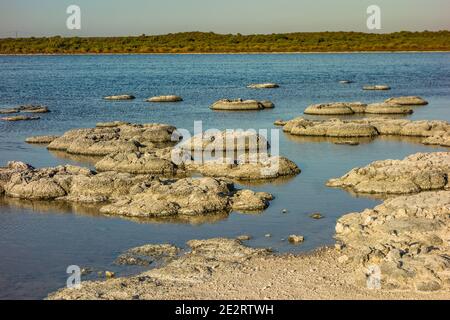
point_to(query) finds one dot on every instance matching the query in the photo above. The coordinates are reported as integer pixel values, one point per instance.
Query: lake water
(39, 240)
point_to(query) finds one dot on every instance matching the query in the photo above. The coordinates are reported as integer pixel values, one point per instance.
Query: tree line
(209, 42)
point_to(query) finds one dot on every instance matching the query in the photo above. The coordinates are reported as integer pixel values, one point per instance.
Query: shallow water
(39, 240)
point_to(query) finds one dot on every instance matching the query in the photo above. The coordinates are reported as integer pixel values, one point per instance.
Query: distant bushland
(209, 42)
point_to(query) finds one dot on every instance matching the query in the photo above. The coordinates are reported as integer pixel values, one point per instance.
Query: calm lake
(39, 240)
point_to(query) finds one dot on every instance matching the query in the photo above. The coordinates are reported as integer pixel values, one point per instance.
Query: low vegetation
(201, 42)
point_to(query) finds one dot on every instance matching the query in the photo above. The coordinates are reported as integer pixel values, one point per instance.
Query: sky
(134, 17)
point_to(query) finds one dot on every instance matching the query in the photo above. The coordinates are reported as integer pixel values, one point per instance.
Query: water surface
(39, 240)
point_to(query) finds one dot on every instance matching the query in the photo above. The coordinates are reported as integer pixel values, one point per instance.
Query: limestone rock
(41, 139)
(226, 140)
(120, 97)
(405, 238)
(296, 239)
(196, 266)
(387, 108)
(187, 196)
(106, 139)
(415, 173)
(407, 101)
(263, 86)
(336, 108)
(170, 98)
(433, 131)
(241, 105)
(19, 118)
(377, 87)
(147, 254)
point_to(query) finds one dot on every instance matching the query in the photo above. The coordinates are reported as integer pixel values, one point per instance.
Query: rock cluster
(147, 254)
(403, 242)
(196, 266)
(129, 195)
(19, 118)
(416, 173)
(25, 109)
(241, 105)
(433, 132)
(113, 137)
(397, 105)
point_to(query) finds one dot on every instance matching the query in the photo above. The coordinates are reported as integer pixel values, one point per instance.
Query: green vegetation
(200, 42)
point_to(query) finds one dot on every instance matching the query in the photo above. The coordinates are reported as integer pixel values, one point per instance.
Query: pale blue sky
(133, 17)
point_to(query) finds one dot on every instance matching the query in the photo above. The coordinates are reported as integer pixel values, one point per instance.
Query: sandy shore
(317, 275)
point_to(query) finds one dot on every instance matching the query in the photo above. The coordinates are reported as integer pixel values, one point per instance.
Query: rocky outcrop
(120, 97)
(187, 196)
(387, 108)
(26, 109)
(241, 105)
(113, 137)
(170, 98)
(152, 162)
(403, 242)
(205, 258)
(148, 254)
(407, 101)
(433, 132)
(19, 118)
(176, 162)
(127, 194)
(416, 173)
(377, 87)
(226, 140)
(246, 167)
(336, 108)
(348, 108)
(263, 86)
(11, 168)
(41, 139)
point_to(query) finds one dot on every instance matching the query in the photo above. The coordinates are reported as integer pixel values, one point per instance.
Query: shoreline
(223, 53)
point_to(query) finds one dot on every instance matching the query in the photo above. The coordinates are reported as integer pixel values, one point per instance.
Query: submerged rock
(346, 81)
(348, 108)
(263, 86)
(41, 139)
(407, 101)
(170, 98)
(34, 109)
(433, 132)
(120, 97)
(113, 137)
(347, 142)
(241, 105)
(405, 239)
(19, 118)
(26, 109)
(9, 110)
(415, 173)
(296, 239)
(377, 87)
(147, 254)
